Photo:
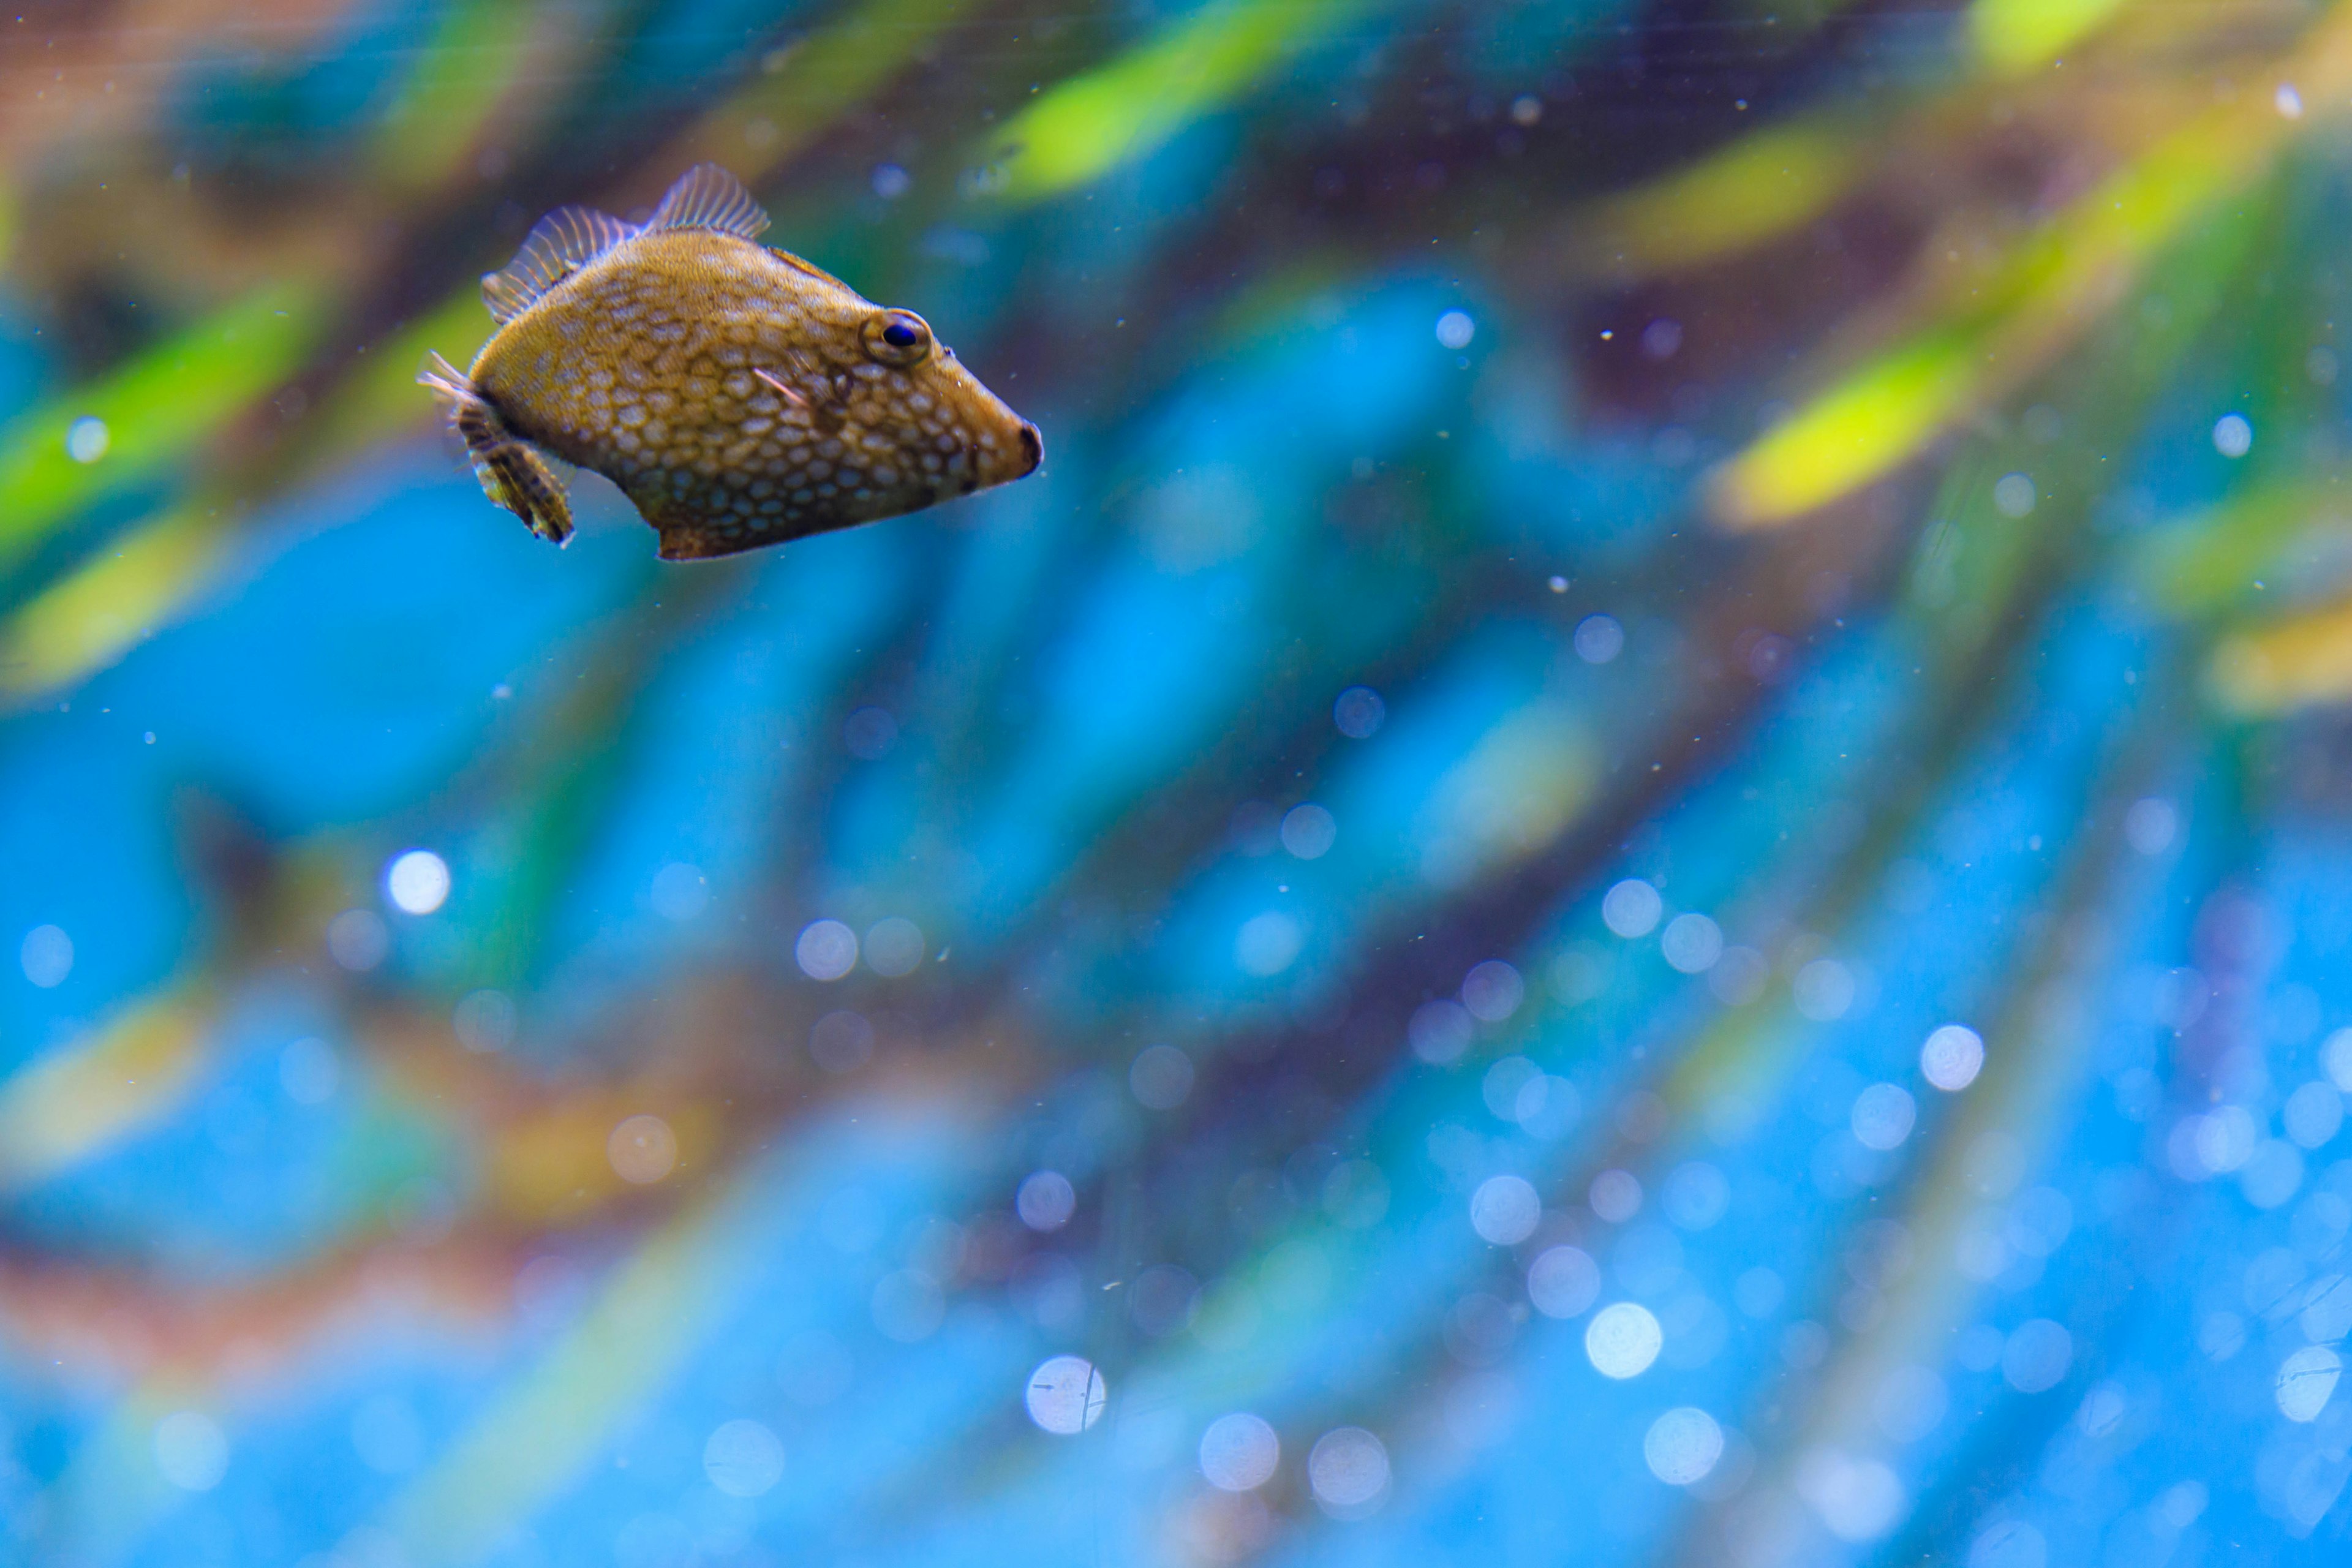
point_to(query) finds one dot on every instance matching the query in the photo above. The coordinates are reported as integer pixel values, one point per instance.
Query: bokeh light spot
(1309, 831)
(1631, 908)
(1599, 639)
(1884, 1115)
(743, 1458)
(1563, 1281)
(484, 1021)
(1347, 1470)
(1455, 329)
(1065, 1396)
(1505, 1210)
(1045, 1200)
(826, 949)
(1623, 1340)
(417, 882)
(308, 1071)
(1682, 1445)
(1493, 990)
(1160, 1078)
(2036, 1355)
(1952, 1058)
(894, 947)
(1440, 1031)
(47, 956)
(191, 1450)
(2013, 495)
(2306, 1382)
(1239, 1452)
(1359, 713)
(2234, 437)
(641, 1149)
(1692, 943)
(841, 1041)
(87, 439)
(679, 891)
(1267, 943)
(357, 939)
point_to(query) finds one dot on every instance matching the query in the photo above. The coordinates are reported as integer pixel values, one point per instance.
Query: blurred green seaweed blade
(1641, 842)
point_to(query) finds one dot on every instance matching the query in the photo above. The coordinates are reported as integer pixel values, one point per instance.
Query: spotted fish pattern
(737, 394)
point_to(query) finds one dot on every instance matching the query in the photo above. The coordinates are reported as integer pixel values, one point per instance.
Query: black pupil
(899, 335)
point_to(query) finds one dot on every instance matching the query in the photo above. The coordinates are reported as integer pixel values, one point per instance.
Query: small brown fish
(737, 394)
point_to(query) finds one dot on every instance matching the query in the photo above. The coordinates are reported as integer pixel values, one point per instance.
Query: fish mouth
(1033, 449)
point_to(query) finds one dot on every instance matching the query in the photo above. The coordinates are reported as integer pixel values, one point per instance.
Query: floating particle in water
(87, 439)
(417, 882)
(679, 891)
(1046, 1201)
(1493, 990)
(308, 1071)
(2013, 495)
(826, 949)
(1065, 1396)
(1682, 1445)
(1240, 1452)
(1359, 713)
(1952, 1058)
(2234, 437)
(2010, 1543)
(1563, 1281)
(1309, 831)
(191, 1450)
(1631, 908)
(641, 1149)
(1623, 1340)
(1348, 1470)
(1506, 1210)
(894, 947)
(743, 1458)
(1599, 639)
(1160, 1078)
(47, 956)
(1455, 329)
(1692, 943)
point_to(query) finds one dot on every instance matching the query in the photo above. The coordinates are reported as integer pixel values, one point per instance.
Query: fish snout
(1033, 449)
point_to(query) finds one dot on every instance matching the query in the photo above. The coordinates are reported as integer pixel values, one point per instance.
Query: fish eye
(899, 337)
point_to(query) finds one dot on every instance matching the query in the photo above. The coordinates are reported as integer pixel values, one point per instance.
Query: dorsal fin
(707, 196)
(558, 245)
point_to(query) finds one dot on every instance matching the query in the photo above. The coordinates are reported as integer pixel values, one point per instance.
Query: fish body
(738, 395)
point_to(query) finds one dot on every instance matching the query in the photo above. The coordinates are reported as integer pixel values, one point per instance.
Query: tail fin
(511, 471)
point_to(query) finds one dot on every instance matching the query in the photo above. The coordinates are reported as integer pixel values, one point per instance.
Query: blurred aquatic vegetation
(1640, 852)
